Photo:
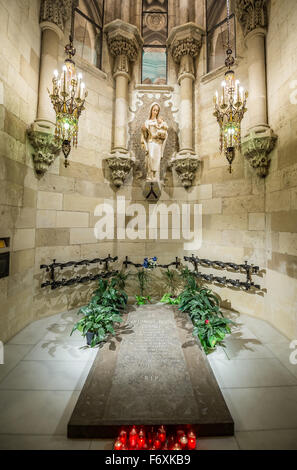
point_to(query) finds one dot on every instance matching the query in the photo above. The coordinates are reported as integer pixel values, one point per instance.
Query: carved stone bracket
(186, 166)
(251, 14)
(123, 39)
(46, 148)
(185, 43)
(256, 147)
(56, 11)
(120, 165)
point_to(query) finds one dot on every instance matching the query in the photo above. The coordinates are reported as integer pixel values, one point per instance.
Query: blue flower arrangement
(150, 263)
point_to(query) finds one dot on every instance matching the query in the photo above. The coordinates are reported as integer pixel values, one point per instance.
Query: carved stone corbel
(56, 12)
(251, 14)
(120, 167)
(46, 148)
(256, 147)
(186, 167)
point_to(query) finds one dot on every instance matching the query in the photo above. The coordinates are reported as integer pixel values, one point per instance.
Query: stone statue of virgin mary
(153, 139)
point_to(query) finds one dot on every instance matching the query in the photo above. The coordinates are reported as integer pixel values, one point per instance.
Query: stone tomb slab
(153, 372)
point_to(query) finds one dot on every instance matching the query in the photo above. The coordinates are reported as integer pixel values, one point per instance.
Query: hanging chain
(228, 22)
(230, 59)
(69, 48)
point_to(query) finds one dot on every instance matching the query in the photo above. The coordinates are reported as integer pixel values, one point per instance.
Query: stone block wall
(244, 217)
(19, 74)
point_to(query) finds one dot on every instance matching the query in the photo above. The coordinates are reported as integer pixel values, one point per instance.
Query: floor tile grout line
(260, 386)
(14, 367)
(40, 390)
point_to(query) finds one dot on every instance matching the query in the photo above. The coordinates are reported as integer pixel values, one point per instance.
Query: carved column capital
(186, 167)
(185, 43)
(120, 165)
(124, 42)
(55, 12)
(45, 145)
(251, 14)
(256, 147)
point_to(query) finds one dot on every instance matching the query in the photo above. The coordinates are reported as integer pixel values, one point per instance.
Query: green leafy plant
(168, 299)
(119, 279)
(203, 307)
(141, 300)
(109, 294)
(97, 319)
(103, 310)
(211, 331)
(143, 277)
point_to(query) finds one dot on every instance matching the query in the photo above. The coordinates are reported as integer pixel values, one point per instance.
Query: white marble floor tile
(47, 375)
(52, 350)
(264, 331)
(237, 373)
(246, 349)
(33, 332)
(34, 442)
(280, 439)
(282, 351)
(13, 353)
(35, 412)
(217, 443)
(241, 331)
(262, 408)
(62, 331)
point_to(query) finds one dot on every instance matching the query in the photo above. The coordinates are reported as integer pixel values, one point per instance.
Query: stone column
(260, 139)
(124, 42)
(183, 11)
(125, 10)
(53, 15)
(184, 43)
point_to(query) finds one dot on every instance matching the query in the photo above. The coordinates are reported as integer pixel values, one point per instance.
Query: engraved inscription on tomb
(151, 376)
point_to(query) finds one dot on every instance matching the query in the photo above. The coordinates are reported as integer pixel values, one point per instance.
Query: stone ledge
(219, 71)
(90, 68)
(154, 88)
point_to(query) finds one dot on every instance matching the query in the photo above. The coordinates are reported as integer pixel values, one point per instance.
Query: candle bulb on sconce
(223, 91)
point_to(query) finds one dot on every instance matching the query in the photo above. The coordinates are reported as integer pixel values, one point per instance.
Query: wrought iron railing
(248, 269)
(52, 268)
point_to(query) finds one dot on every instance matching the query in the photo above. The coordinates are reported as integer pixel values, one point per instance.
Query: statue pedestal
(152, 190)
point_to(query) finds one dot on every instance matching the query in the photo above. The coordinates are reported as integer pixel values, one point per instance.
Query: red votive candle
(157, 444)
(141, 439)
(183, 441)
(171, 442)
(191, 441)
(176, 446)
(118, 445)
(179, 434)
(162, 434)
(133, 437)
(123, 437)
(150, 437)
